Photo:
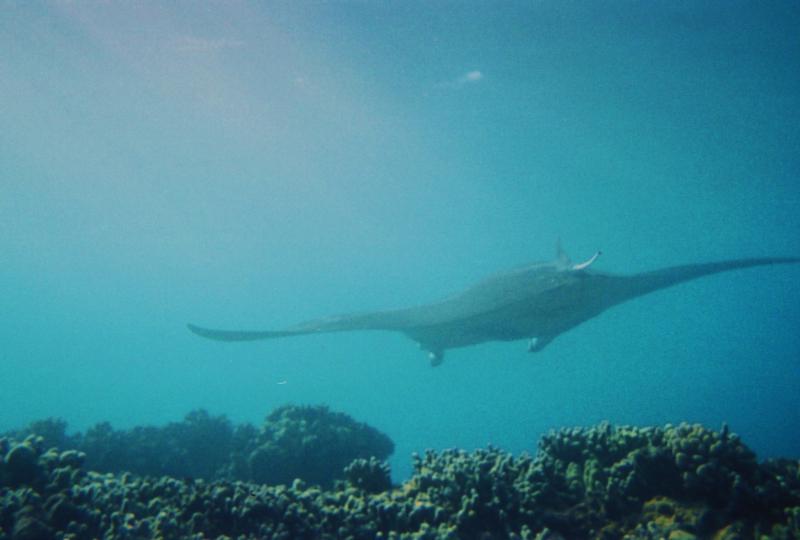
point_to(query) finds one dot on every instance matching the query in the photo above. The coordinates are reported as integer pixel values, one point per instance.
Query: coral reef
(310, 443)
(371, 475)
(674, 482)
(197, 447)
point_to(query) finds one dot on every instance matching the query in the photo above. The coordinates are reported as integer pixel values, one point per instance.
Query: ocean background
(256, 164)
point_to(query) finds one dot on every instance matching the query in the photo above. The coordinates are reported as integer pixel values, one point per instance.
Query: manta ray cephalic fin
(585, 264)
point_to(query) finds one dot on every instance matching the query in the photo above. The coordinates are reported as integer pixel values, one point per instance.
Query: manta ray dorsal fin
(562, 259)
(585, 264)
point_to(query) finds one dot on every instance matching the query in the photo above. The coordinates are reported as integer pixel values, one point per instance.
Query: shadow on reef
(311, 443)
(676, 482)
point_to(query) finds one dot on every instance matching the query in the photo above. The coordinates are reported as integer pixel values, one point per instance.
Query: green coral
(197, 447)
(676, 482)
(311, 443)
(371, 475)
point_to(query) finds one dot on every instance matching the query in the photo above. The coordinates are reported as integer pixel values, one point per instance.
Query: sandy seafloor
(249, 165)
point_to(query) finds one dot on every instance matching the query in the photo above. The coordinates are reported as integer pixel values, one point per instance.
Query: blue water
(253, 165)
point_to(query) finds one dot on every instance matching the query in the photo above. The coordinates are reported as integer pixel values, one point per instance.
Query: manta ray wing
(379, 320)
(237, 335)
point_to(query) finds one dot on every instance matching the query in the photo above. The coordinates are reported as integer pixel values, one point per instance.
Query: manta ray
(537, 302)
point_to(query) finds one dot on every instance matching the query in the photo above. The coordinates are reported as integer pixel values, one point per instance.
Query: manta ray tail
(646, 282)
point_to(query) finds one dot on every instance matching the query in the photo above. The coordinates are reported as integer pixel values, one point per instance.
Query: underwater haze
(250, 165)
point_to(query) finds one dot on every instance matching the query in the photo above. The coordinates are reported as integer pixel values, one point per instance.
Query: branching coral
(677, 482)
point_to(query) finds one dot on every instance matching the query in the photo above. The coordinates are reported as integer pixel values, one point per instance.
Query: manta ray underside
(537, 302)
